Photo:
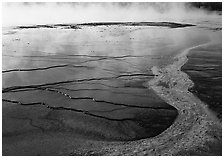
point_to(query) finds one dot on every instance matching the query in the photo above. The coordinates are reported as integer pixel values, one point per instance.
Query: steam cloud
(50, 13)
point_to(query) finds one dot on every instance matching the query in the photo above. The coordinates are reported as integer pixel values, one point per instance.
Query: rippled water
(86, 84)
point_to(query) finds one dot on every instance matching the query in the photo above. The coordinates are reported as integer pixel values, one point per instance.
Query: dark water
(65, 87)
(205, 69)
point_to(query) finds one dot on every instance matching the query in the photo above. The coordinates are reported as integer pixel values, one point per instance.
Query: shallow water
(86, 84)
(205, 69)
(204, 66)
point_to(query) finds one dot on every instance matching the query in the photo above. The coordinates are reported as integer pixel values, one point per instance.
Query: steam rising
(50, 13)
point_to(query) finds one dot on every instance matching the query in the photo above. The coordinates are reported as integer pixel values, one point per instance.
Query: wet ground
(63, 87)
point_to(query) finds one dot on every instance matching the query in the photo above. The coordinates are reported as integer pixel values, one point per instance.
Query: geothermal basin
(69, 87)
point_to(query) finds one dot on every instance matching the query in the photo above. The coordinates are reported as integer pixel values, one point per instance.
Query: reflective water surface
(63, 86)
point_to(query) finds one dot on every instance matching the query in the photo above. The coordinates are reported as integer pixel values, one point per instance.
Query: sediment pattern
(113, 103)
(195, 132)
(127, 119)
(9, 89)
(70, 109)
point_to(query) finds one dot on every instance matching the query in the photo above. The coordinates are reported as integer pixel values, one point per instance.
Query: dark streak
(68, 109)
(105, 111)
(118, 58)
(103, 101)
(8, 89)
(163, 24)
(44, 68)
(83, 55)
(99, 89)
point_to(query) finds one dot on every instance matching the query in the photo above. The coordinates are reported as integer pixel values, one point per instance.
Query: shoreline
(196, 131)
(209, 65)
(203, 119)
(79, 25)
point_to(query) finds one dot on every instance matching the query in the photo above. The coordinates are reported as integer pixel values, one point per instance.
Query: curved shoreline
(194, 132)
